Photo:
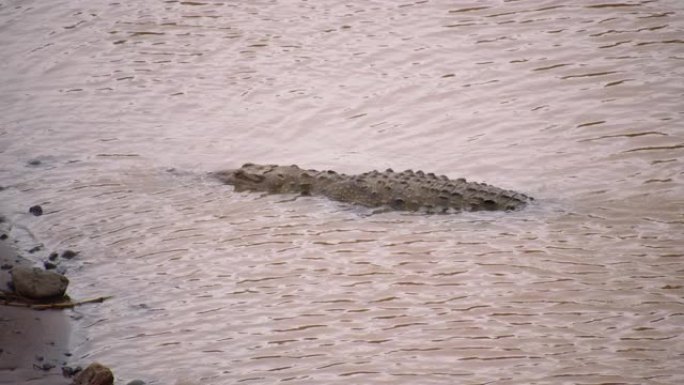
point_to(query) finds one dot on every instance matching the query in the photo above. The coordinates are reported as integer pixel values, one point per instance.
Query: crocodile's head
(268, 178)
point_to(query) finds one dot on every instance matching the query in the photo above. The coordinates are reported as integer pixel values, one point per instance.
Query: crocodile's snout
(247, 177)
(225, 176)
(233, 177)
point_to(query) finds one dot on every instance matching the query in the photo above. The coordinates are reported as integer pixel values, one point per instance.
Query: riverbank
(34, 343)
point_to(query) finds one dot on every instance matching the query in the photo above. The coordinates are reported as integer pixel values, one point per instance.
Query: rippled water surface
(127, 105)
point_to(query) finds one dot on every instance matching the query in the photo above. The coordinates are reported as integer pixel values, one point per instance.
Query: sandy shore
(33, 343)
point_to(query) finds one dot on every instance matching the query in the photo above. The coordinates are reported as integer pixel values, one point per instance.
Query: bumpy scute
(407, 190)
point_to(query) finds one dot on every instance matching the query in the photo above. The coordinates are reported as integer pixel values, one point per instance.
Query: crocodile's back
(414, 191)
(406, 190)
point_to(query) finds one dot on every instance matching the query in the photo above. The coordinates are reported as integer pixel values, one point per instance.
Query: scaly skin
(408, 190)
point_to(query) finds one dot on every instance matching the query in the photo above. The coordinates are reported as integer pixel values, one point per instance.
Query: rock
(35, 248)
(94, 374)
(3, 236)
(36, 283)
(36, 210)
(69, 254)
(53, 256)
(49, 265)
(68, 371)
(46, 366)
(34, 162)
(136, 382)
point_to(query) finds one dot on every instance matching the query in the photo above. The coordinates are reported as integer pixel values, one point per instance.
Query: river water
(127, 106)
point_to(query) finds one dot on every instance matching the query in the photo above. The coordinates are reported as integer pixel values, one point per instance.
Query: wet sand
(30, 340)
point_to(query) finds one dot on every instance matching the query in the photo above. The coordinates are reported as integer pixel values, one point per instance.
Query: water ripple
(576, 104)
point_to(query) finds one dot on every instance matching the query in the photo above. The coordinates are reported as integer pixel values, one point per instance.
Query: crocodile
(404, 191)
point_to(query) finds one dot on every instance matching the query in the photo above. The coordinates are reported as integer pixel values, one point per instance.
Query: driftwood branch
(9, 299)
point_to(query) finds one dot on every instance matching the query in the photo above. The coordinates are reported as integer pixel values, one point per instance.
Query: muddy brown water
(579, 104)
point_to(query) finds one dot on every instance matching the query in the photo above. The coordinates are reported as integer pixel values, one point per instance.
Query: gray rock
(94, 374)
(136, 382)
(36, 283)
(68, 371)
(36, 210)
(69, 254)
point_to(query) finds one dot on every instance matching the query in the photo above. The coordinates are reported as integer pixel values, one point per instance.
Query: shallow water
(579, 105)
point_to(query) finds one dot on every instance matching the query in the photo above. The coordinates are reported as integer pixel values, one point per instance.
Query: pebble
(68, 371)
(136, 382)
(35, 248)
(36, 210)
(45, 366)
(69, 254)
